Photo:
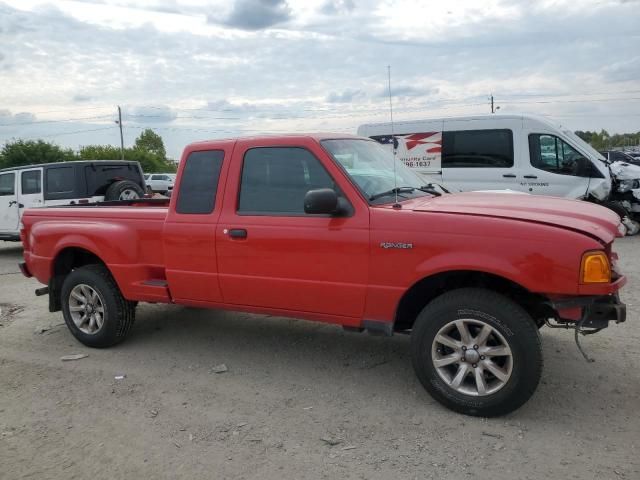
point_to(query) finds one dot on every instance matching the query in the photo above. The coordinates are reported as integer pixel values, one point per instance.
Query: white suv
(160, 182)
(64, 183)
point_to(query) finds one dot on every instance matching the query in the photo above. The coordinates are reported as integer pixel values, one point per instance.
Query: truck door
(189, 230)
(271, 254)
(9, 217)
(30, 189)
(556, 168)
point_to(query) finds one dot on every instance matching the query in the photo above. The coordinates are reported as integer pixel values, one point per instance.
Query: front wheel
(477, 352)
(94, 310)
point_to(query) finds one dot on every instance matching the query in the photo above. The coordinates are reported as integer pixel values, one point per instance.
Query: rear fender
(112, 243)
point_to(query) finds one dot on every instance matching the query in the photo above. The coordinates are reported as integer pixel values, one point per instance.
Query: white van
(64, 183)
(522, 153)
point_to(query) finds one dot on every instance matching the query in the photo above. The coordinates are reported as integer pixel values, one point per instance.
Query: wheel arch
(428, 288)
(66, 260)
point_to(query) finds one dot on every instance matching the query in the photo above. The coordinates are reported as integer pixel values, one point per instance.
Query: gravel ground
(298, 400)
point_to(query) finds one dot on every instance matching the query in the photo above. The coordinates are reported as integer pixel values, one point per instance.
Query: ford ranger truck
(332, 229)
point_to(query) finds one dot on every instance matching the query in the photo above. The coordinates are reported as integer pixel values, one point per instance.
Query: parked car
(523, 153)
(160, 182)
(326, 228)
(619, 156)
(63, 184)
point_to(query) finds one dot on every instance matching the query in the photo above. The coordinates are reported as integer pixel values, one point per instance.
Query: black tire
(121, 188)
(119, 313)
(504, 316)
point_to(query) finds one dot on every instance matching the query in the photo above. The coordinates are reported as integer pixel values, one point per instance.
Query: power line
(36, 122)
(38, 112)
(572, 101)
(69, 133)
(591, 94)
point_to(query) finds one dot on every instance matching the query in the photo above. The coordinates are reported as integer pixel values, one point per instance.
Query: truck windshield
(370, 166)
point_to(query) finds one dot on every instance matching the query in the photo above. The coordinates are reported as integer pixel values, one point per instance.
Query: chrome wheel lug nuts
(475, 347)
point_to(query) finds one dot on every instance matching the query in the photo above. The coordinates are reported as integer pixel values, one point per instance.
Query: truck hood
(588, 218)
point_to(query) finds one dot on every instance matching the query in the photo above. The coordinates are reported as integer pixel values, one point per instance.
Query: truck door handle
(13, 202)
(530, 176)
(238, 233)
(509, 175)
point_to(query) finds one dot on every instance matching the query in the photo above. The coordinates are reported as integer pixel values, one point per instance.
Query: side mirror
(321, 201)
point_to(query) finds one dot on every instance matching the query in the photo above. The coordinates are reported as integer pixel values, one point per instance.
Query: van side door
(556, 168)
(9, 217)
(30, 194)
(478, 159)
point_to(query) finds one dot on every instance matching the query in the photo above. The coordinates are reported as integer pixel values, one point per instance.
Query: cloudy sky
(193, 70)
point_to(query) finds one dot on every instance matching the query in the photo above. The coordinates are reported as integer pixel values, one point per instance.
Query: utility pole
(494, 109)
(119, 122)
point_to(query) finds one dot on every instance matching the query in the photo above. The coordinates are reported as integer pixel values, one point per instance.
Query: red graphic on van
(433, 140)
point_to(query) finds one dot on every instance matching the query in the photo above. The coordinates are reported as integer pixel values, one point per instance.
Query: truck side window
(199, 182)
(552, 154)
(31, 182)
(60, 179)
(276, 179)
(7, 184)
(477, 149)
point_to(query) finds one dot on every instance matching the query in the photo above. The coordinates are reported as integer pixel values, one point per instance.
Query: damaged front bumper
(596, 311)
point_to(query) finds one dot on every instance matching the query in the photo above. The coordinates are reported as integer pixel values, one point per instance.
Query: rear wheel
(94, 310)
(123, 190)
(477, 352)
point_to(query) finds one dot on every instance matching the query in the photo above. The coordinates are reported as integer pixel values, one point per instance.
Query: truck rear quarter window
(199, 182)
(7, 184)
(477, 149)
(275, 180)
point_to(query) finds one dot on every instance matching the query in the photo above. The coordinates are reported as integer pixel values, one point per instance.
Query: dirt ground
(298, 400)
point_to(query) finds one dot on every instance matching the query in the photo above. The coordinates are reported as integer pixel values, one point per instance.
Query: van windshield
(371, 167)
(584, 145)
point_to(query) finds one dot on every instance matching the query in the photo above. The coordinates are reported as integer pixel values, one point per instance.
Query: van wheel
(477, 352)
(123, 190)
(93, 307)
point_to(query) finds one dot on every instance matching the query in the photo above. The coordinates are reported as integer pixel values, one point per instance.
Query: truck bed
(126, 235)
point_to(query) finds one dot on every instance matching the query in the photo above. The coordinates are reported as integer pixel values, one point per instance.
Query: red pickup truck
(328, 228)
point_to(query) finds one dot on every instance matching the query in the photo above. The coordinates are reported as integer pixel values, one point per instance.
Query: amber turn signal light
(595, 268)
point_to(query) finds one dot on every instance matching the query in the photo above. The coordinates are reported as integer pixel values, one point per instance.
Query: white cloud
(205, 70)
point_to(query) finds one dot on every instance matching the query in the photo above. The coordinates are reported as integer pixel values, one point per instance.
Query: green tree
(603, 140)
(150, 141)
(28, 152)
(150, 162)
